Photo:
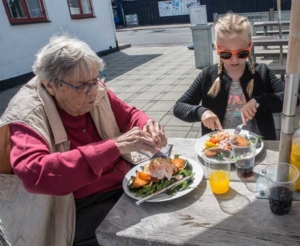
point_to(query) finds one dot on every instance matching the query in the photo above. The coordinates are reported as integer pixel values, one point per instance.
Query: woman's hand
(134, 140)
(248, 111)
(156, 131)
(211, 121)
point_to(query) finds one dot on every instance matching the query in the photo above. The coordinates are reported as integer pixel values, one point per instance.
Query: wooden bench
(268, 42)
(264, 37)
(265, 25)
(272, 32)
(270, 53)
(264, 52)
(270, 23)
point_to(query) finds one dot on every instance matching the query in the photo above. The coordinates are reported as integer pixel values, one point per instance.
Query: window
(80, 9)
(25, 11)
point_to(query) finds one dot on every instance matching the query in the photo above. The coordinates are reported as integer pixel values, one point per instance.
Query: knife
(163, 190)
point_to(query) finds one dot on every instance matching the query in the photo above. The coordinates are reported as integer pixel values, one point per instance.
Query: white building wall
(20, 43)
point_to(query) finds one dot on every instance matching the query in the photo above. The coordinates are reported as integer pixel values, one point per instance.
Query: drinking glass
(218, 162)
(244, 155)
(281, 182)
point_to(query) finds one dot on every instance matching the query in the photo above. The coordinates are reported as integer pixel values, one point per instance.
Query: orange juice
(219, 181)
(295, 158)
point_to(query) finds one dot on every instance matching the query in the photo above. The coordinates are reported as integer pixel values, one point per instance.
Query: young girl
(233, 91)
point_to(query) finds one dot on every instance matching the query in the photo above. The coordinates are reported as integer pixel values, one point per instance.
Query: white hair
(63, 56)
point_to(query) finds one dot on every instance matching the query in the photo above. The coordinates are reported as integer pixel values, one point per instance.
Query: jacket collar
(245, 78)
(58, 130)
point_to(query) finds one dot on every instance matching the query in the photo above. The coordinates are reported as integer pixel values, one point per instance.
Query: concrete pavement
(138, 28)
(155, 85)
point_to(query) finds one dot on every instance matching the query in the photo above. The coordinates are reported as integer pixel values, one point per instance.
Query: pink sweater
(91, 166)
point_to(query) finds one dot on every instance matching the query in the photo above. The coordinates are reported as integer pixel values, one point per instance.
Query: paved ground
(125, 29)
(156, 37)
(155, 85)
(151, 79)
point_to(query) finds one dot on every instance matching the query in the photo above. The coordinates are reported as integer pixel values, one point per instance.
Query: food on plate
(160, 168)
(222, 139)
(240, 141)
(178, 162)
(211, 153)
(217, 154)
(158, 174)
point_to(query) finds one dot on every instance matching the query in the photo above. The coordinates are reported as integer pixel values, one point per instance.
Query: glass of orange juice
(218, 163)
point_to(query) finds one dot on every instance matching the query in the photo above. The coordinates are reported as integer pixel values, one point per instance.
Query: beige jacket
(33, 219)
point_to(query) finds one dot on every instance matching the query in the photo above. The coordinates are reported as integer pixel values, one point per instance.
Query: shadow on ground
(117, 64)
(120, 63)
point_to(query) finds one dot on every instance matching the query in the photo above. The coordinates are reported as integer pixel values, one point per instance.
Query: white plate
(199, 146)
(197, 169)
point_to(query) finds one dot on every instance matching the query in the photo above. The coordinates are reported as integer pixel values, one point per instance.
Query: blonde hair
(228, 25)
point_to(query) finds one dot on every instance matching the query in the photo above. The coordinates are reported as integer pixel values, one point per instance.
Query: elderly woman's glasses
(241, 53)
(87, 87)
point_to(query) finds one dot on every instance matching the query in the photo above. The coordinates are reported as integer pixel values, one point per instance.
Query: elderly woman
(67, 139)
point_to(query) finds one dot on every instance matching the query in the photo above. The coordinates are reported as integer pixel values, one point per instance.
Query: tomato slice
(144, 176)
(213, 140)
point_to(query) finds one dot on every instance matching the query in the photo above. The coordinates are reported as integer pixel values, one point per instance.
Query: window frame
(81, 15)
(28, 19)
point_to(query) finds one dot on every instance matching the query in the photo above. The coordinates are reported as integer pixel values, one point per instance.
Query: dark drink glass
(280, 199)
(244, 156)
(281, 182)
(245, 172)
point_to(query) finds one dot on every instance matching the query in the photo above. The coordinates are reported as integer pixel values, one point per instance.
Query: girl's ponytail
(251, 83)
(216, 86)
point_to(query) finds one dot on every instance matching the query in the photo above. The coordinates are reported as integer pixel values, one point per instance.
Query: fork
(165, 153)
(164, 189)
(238, 129)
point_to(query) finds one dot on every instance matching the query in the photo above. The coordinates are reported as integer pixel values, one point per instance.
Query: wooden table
(202, 218)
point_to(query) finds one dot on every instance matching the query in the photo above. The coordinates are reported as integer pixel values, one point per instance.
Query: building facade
(160, 12)
(27, 25)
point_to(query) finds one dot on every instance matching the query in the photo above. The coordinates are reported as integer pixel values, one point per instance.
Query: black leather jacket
(268, 91)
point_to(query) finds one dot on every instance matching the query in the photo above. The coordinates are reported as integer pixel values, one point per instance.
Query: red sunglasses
(241, 53)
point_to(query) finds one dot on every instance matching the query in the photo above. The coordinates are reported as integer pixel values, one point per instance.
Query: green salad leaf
(152, 187)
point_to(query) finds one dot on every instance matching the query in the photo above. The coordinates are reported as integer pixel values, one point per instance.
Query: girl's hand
(211, 121)
(249, 110)
(156, 131)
